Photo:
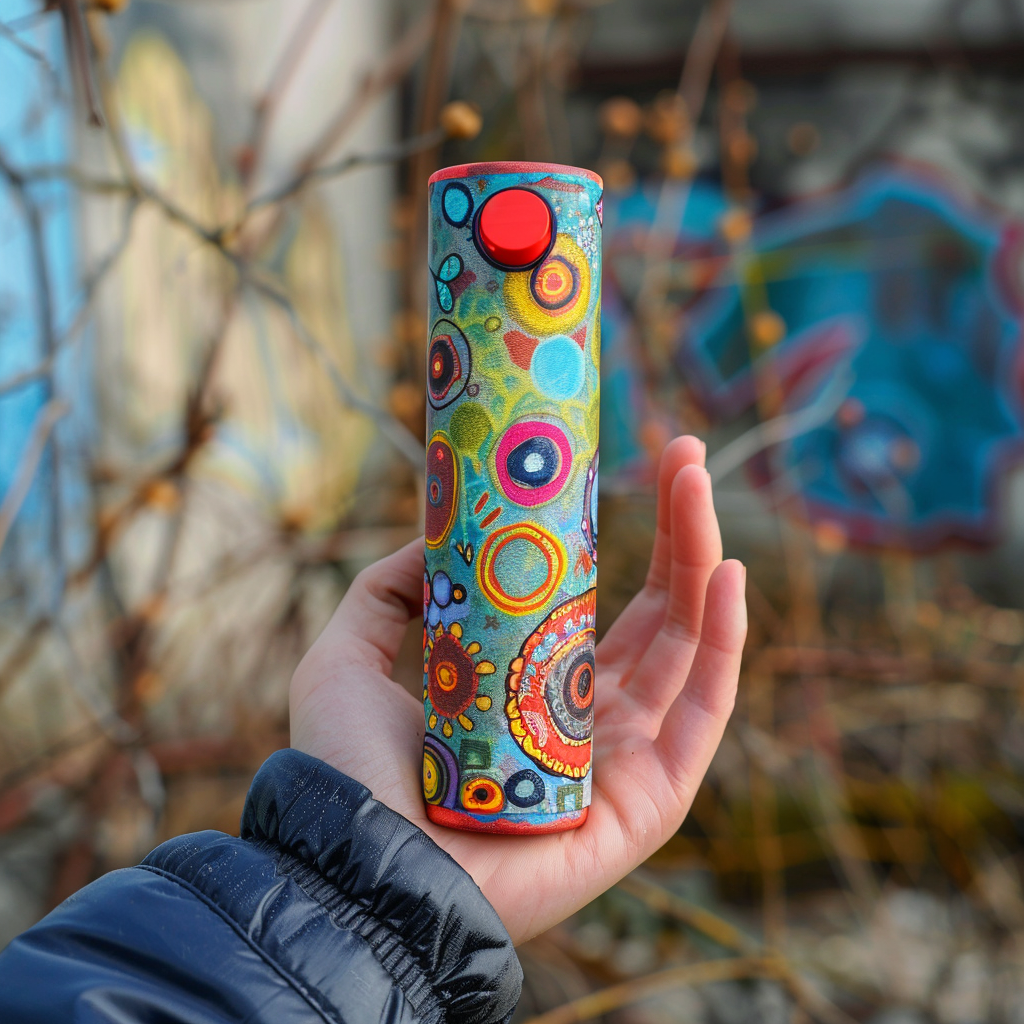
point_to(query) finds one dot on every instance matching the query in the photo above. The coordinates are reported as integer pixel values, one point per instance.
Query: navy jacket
(329, 907)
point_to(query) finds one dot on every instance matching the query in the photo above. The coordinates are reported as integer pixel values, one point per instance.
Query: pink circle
(514, 436)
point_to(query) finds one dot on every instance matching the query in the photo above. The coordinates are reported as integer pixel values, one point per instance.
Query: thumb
(384, 598)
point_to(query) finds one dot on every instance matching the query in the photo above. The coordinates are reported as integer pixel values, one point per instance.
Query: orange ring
(554, 555)
(482, 795)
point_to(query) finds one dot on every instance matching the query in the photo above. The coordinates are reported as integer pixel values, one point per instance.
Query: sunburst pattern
(452, 678)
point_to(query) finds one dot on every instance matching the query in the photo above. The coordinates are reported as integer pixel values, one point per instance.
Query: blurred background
(212, 299)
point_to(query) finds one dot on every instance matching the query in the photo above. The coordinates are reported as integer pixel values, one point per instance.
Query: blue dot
(442, 589)
(557, 367)
(533, 463)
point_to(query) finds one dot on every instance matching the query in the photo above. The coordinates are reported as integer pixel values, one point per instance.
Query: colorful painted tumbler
(511, 513)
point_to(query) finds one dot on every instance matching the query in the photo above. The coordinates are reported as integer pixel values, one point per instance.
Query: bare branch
(391, 155)
(80, 57)
(781, 428)
(399, 61)
(280, 79)
(30, 51)
(80, 178)
(395, 432)
(47, 331)
(20, 486)
(95, 279)
(701, 55)
(596, 1004)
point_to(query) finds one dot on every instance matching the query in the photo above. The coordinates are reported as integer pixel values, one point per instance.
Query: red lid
(515, 227)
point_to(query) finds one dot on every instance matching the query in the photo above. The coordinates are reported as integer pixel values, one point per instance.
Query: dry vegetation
(854, 854)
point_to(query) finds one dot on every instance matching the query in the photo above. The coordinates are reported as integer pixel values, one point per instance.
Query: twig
(22, 482)
(44, 292)
(91, 287)
(447, 19)
(18, 380)
(629, 992)
(702, 54)
(668, 903)
(395, 66)
(30, 51)
(406, 443)
(80, 58)
(22, 651)
(674, 196)
(393, 154)
(78, 177)
(47, 331)
(280, 79)
(717, 929)
(781, 428)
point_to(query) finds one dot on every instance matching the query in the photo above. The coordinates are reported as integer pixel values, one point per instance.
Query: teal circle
(557, 368)
(457, 203)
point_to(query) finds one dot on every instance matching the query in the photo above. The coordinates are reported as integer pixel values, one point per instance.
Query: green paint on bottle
(469, 427)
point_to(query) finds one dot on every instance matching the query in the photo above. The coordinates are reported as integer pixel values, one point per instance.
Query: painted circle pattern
(440, 773)
(442, 490)
(555, 284)
(554, 298)
(532, 483)
(550, 548)
(551, 689)
(515, 784)
(482, 795)
(570, 692)
(451, 677)
(449, 364)
(456, 203)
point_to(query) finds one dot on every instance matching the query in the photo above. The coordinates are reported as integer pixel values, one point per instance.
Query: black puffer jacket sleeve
(330, 907)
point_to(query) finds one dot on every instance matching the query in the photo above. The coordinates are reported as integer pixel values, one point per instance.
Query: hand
(666, 683)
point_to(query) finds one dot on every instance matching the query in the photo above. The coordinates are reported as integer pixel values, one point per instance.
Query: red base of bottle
(505, 826)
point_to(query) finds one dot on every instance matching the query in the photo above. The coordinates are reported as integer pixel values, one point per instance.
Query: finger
(695, 551)
(642, 617)
(678, 454)
(371, 620)
(643, 787)
(693, 726)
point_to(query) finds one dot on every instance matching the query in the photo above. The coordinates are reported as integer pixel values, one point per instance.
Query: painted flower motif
(452, 678)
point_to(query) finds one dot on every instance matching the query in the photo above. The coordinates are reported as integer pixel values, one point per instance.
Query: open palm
(666, 682)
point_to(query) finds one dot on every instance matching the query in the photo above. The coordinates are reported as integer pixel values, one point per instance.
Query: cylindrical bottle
(511, 514)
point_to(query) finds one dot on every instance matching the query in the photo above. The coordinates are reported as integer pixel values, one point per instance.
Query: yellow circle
(431, 777)
(529, 313)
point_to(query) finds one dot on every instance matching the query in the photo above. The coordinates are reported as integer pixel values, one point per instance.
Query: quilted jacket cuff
(377, 875)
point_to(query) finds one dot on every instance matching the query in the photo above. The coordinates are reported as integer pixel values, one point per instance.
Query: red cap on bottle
(515, 227)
